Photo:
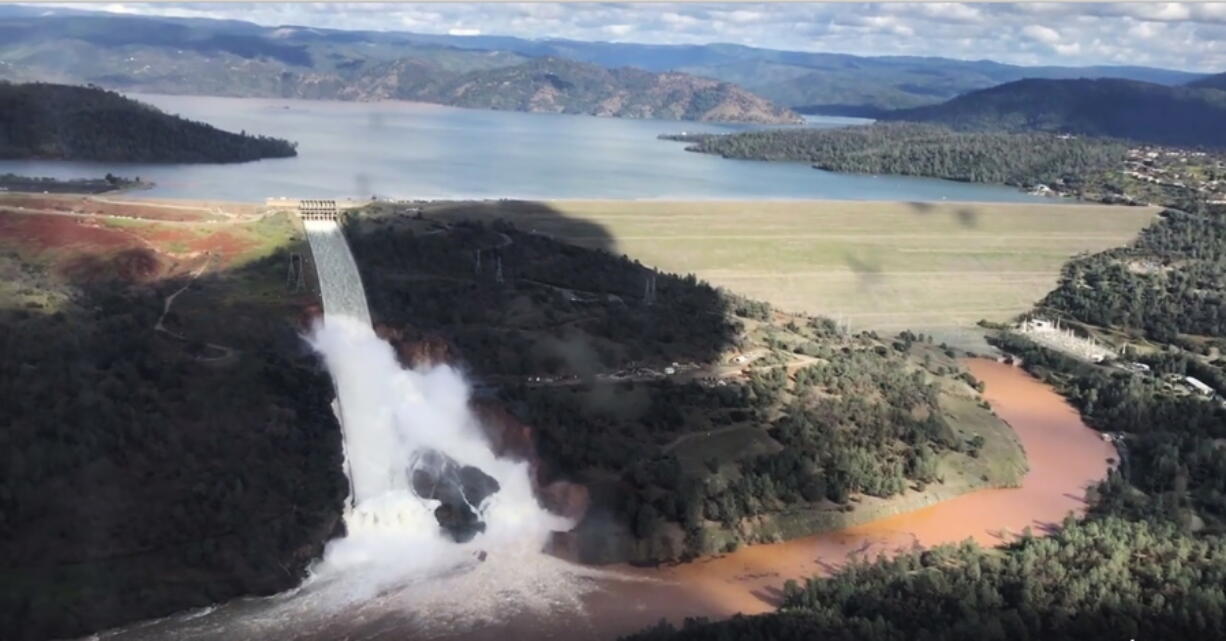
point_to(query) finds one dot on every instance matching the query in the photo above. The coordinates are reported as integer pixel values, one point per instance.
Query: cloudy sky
(1189, 36)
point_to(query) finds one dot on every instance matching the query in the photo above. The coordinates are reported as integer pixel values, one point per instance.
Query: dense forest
(484, 273)
(1108, 578)
(1148, 562)
(676, 465)
(1103, 107)
(1171, 280)
(134, 468)
(1021, 159)
(61, 122)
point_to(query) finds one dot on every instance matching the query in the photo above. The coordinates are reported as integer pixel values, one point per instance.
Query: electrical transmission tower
(293, 277)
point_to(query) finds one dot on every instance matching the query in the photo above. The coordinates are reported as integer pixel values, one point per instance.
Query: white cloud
(1046, 35)
(1073, 49)
(1176, 35)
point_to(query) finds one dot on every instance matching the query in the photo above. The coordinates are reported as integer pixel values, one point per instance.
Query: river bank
(1066, 457)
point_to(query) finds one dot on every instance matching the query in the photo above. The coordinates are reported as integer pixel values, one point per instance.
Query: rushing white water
(392, 416)
(395, 548)
(340, 284)
(396, 573)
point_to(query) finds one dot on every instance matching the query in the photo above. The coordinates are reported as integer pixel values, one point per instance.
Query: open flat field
(936, 268)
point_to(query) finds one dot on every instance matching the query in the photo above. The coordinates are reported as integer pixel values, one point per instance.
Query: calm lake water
(408, 150)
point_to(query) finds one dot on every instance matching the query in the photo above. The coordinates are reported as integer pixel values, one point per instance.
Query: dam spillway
(410, 439)
(433, 511)
(340, 284)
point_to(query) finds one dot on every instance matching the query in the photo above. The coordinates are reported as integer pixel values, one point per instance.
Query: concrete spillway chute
(340, 287)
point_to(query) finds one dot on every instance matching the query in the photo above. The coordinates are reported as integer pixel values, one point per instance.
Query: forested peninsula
(909, 149)
(41, 121)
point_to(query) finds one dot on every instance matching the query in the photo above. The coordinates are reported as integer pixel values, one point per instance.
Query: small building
(1198, 385)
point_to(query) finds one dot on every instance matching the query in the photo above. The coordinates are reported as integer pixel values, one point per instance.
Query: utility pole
(477, 270)
(498, 272)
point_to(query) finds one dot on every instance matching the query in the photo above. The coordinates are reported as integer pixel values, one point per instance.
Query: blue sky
(1188, 36)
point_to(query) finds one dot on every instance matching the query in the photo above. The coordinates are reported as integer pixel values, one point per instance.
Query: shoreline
(750, 580)
(680, 200)
(139, 95)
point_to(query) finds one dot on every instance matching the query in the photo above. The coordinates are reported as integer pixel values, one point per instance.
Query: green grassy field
(936, 268)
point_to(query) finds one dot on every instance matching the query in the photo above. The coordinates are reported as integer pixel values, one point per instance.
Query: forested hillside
(909, 149)
(135, 474)
(1172, 280)
(1109, 107)
(555, 85)
(61, 122)
(1150, 559)
(1106, 579)
(696, 419)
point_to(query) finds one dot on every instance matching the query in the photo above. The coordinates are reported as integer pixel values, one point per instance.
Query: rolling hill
(1217, 81)
(233, 58)
(555, 85)
(60, 122)
(229, 58)
(1111, 108)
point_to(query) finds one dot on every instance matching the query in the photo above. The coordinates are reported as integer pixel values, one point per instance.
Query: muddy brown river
(1064, 455)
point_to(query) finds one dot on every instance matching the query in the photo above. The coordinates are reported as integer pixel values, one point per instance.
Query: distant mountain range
(561, 86)
(830, 83)
(233, 58)
(239, 59)
(1112, 108)
(57, 122)
(1217, 81)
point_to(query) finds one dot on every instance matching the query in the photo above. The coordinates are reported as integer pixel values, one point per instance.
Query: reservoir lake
(421, 151)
